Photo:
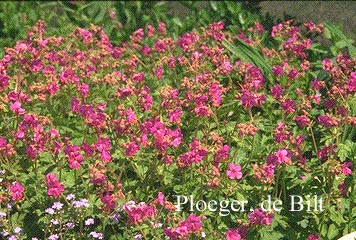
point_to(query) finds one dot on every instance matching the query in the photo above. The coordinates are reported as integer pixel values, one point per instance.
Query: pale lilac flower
(70, 225)
(138, 236)
(81, 203)
(57, 205)
(70, 197)
(53, 237)
(89, 221)
(17, 230)
(54, 221)
(12, 237)
(156, 225)
(50, 211)
(97, 235)
(115, 217)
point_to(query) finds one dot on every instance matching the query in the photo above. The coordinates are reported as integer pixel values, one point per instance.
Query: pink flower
(146, 50)
(174, 116)
(328, 121)
(103, 144)
(302, 120)
(4, 81)
(37, 65)
(160, 46)
(132, 149)
(138, 77)
(346, 168)
(192, 223)
(16, 191)
(236, 233)
(326, 152)
(260, 217)
(234, 171)
(108, 200)
(249, 100)
(131, 116)
(277, 71)
(74, 157)
(283, 156)
(195, 155)
(140, 212)
(84, 90)
(226, 67)
(215, 94)
(16, 108)
(221, 154)
(288, 106)
(54, 187)
(160, 198)
(259, 27)
(352, 82)
(313, 237)
(202, 110)
(293, 74)
(105, 156)
(159, 72)
(277, 91)
(254, 77)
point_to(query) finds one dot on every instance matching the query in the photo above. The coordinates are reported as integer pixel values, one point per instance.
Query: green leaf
(248, 54)
(333, 231)
(99, 18)
(213, 5)
(335, 31)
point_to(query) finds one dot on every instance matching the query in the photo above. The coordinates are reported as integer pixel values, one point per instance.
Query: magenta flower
(277, 91)
(74, 157)
(260, 217)
(54, 187)
(328, 121)
(277, 71)
(288, 106)
(131, 116)
(108, 201)
(234, 171)
(174, 116)
(313, 237)
(138, 77)
(16, 191)
(302, 120)
(4, 81)
(221, 154)
(236, 233)
(346, 170)
(283, 156)
(16, 108)
(140, 212)
(352, 82)
(160, 198)
(131, 149)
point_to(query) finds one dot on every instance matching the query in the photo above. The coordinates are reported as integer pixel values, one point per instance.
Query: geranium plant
(211, 135)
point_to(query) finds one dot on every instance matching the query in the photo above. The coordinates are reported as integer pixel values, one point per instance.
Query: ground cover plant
(102, 141)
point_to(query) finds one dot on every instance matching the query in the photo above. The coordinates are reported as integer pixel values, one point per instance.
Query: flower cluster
(120, 129)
